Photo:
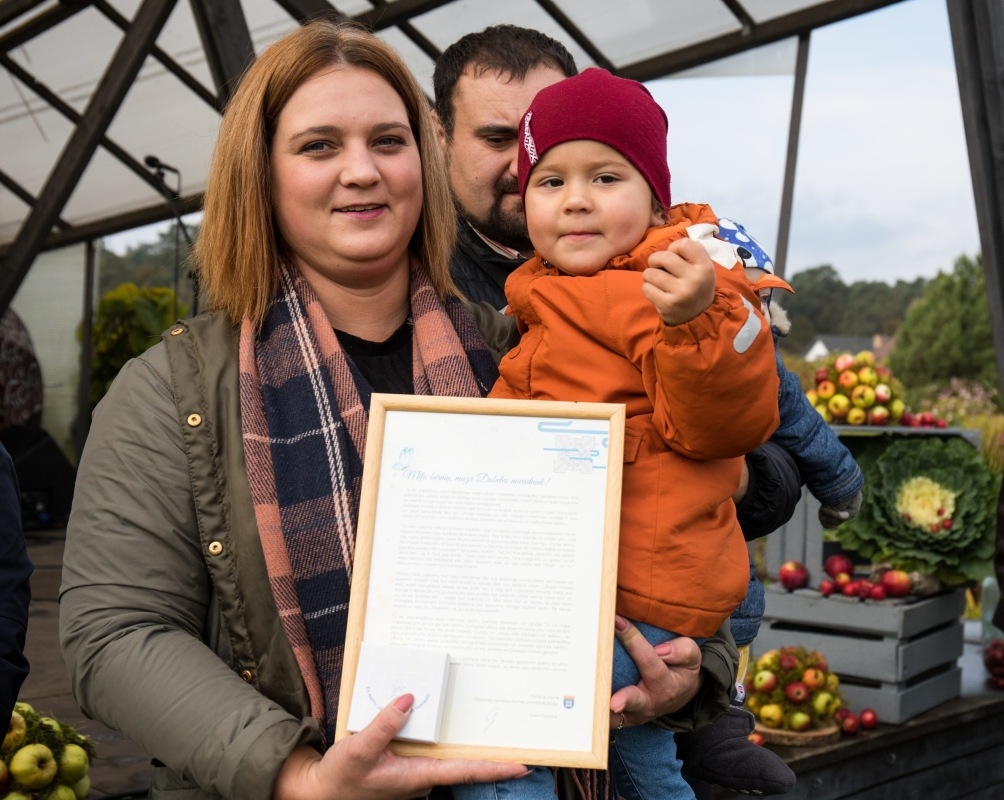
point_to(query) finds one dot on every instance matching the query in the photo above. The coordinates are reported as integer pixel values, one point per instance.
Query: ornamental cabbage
(928, 506)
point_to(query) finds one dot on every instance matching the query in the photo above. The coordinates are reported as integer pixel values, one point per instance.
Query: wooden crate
(896, 656)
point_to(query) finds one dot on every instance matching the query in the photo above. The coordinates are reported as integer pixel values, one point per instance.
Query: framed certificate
(487, 542)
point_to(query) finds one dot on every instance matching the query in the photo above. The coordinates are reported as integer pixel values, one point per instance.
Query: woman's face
(347, 179)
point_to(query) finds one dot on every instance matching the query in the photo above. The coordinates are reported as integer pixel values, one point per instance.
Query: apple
(864, 588)
(841, 579)
(73, 763)
(897, 408)
(868, 719)
(821, 703)
(796, 692)
(940, 423)
(863, 396)
(60, 791)
(847, 379)
(832, 682)
(789, 662)
(821, 663)
(896, 583)
(82, 787)
(840, 713)
(772, 715)
(757, 739)
(826, 389)
(765, 681)
(4, 776)
(822, 374)
(768, 660)
(52, 724)
(814, 678)
(16, 732)
(866, 358)
(879, 415)
(826, 587)
(906, 418)
(839, 405)
(868, 376)
(838, 563)
(857, 416)
(850, 589)
(843, 362)
(877, 592)
(33, 766)
(24, 708)
(824, 412)
(799, 721)
(812, 396)
(849, 724)
(883, 393)
(793, 575)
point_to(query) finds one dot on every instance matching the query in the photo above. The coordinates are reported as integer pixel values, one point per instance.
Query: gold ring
(620, 725)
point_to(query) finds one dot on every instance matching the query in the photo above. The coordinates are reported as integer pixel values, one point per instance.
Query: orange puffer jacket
(698, 397)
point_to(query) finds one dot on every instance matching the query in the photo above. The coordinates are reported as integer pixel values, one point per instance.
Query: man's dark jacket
(15, 590)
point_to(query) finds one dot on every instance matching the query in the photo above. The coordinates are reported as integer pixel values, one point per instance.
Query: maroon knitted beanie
(596, 105)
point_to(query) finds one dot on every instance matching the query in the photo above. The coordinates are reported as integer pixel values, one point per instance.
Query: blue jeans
(642, 761)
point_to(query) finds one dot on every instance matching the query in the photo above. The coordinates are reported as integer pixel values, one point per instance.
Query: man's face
(482, 153)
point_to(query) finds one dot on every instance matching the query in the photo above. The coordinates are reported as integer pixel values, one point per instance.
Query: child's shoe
(721, 754)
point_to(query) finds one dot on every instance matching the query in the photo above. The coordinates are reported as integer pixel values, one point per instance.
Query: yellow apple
(33, 766)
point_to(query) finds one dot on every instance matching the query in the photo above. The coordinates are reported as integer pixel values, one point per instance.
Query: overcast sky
(883, 188)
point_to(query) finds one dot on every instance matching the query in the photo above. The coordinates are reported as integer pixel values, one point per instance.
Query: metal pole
(788, 192)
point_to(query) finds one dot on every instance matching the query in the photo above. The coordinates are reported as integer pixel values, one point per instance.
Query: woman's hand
(361, 767)
(670, 677)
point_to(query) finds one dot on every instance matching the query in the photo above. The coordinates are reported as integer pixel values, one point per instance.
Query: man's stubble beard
(508, 228)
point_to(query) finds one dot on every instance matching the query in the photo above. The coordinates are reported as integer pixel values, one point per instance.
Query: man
(483, 83)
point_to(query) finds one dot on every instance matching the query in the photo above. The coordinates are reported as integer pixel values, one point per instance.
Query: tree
(151, 264)
(947, 332)
(816, 307)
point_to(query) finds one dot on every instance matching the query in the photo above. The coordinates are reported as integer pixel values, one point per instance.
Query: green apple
(24, 708)
(799, 721)
(821, 703)
(16, 732)
(60, 791)
(73, 764)
(33, 766)
(82, 787)
(52, 724)
(16, 796)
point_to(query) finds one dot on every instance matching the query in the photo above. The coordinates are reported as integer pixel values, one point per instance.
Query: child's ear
(659, 213)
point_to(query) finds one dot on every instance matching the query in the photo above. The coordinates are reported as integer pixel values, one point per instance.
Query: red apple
(849, 724)
(822, 374)
(793, 575)
(879, 415)
(896, 583)
(843, 362)
(840, 713)
(877, 592)
(789, 661)
(814, 678)
(826, 587)
(850, 589)
(757, 739)
(847, 379)
(836, 564)
(940, 423)
(864, 588)
(796, 692)
(868, 719)
(883, 394)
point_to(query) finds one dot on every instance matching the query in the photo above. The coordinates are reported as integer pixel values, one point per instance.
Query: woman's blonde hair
(239, 248)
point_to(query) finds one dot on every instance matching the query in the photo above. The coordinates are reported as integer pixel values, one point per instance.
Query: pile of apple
(854, 391)
(792, 689)
(889, 583)
(42, 759)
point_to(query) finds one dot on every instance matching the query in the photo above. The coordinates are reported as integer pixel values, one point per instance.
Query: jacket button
(247, 675)
(194, 420)
(177, 331)
(215, 548)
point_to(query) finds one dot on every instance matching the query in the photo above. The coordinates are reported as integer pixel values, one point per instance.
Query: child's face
(586, 203)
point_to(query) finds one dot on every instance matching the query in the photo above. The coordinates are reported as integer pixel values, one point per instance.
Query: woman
(209, 550)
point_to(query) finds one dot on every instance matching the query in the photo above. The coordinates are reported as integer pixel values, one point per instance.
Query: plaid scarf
(304, 409)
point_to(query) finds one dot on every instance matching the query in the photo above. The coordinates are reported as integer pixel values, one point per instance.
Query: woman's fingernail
(620, 623)
(404, 703)
(663, 649)
(524, 774)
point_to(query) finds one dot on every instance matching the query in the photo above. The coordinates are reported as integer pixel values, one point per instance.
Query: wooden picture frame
(488, 532)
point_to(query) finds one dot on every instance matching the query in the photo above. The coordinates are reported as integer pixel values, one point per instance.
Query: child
(720, 753)
(622, 303)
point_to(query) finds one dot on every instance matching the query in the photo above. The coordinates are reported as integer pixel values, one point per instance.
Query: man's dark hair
(504, 49)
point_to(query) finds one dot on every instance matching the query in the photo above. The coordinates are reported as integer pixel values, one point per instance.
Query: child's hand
(680, 281)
